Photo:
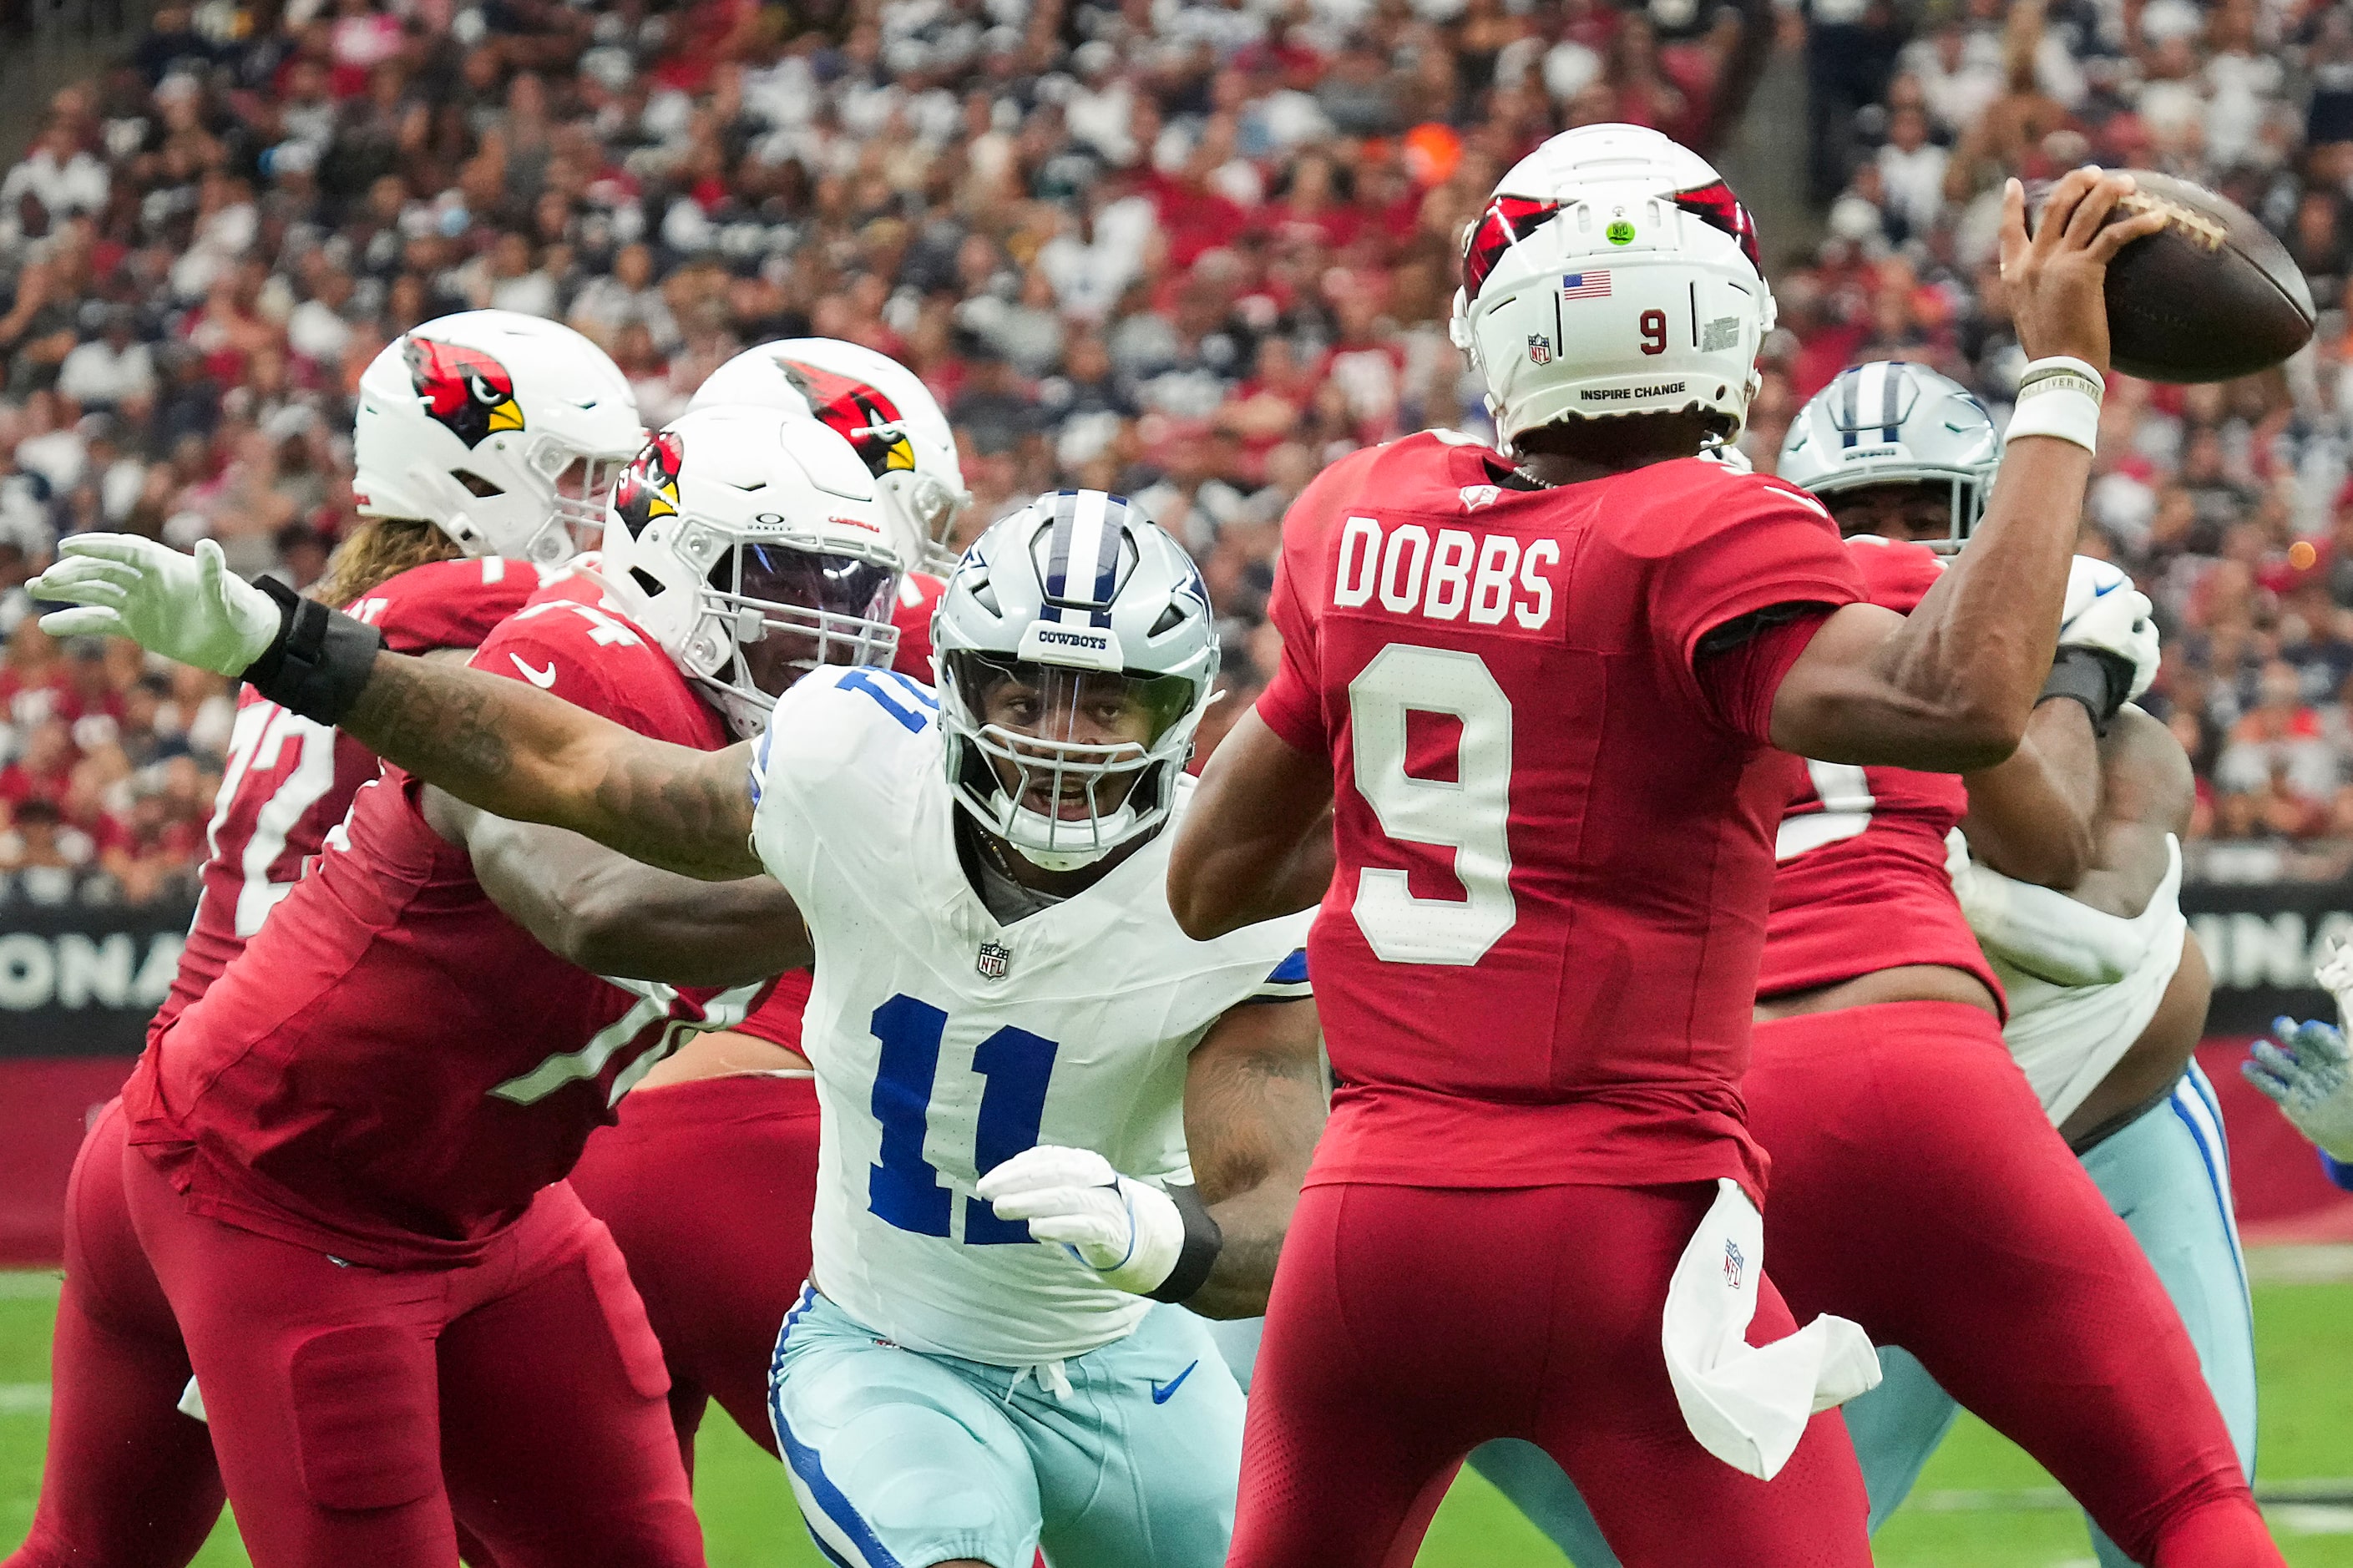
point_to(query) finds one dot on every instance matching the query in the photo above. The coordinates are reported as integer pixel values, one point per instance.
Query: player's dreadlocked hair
(379, 549)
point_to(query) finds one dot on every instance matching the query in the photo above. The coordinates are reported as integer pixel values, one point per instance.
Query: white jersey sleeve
(946, 1043)
(2067, 1038)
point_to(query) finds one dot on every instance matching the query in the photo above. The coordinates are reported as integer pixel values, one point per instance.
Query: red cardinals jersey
(777, 1019)
(919, 595)
(1861, 883)
(1538, 956)
(393, 1067)
(289, 779)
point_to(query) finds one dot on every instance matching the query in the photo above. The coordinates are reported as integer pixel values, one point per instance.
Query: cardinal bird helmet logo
(464, 388)
(648, 486)
(856, 412)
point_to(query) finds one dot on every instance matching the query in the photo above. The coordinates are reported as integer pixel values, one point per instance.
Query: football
(2215, 295)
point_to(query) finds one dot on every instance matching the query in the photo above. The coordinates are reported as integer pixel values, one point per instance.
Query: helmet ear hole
(986, 597)
(1170, 619)
(476, 485)
(646, 580)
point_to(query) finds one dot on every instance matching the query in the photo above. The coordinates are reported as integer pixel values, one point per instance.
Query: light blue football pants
(2167, 1177)
(901, 1460)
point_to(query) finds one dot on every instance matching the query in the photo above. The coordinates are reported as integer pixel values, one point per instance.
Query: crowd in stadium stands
(1187, 249)
(2230, 504)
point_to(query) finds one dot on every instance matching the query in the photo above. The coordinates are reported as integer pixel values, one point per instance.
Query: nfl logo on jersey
(993, 961)
(1733, 1264)
(1539, 348)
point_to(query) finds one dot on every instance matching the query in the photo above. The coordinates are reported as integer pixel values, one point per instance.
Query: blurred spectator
(1192, 250)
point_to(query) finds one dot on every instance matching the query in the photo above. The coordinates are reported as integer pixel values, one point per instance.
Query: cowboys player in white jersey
(2106, 988)
(1014, 1042)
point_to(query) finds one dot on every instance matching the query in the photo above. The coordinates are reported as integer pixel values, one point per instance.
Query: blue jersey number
(904, 1188)
(898, 695)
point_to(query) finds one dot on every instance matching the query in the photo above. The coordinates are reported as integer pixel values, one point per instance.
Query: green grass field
(1982, 1504)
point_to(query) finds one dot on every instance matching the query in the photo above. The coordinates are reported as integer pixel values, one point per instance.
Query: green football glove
(190, 608)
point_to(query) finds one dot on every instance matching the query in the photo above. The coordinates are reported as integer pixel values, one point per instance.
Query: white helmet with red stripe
(751, 546)
(503, 430)
(1613, 273)
(882, 409)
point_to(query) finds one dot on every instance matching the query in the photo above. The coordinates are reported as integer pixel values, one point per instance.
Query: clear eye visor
(1065, 745)
(580, 485)
(786, 610)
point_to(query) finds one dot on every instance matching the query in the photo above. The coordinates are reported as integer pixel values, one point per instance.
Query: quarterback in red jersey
(1917, 1183)
(731, 1118)
(1545, 704)
(346, 1195)
(129, 1478)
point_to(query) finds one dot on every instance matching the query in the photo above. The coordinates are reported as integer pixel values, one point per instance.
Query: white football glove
(2104, 612)
(2090, 578)
(190, 608)
(2308, 1073)
(1125, 1230)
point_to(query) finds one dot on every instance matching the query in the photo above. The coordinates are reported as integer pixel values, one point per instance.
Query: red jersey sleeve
(1752, 543)
(555, 645)
(919, 595)
(1292, 703)
(446, 604)
(1739, 682)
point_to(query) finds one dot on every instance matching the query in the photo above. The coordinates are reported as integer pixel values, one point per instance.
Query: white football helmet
(504, 430)
(1889, 422)
(882, 409)
(1614, 272)
(752, 547)
(1075, 617)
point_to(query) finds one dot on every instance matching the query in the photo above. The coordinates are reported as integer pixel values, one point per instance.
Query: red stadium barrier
(45, 1104)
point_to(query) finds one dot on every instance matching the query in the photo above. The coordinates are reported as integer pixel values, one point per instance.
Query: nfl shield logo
(993, 961)
(1539, 348)
(1733, 1264)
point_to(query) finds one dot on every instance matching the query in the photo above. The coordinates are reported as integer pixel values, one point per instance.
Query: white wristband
(2062, 364)
(2057, 407)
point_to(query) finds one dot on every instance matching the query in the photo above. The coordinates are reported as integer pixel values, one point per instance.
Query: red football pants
(128, 1482)
(1918, 1189)
(1410, 1324)
(707, 1187)
(339, 1396)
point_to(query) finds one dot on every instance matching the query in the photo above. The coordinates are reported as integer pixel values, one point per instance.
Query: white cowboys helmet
(1894, 423)
(1613, 272)
(752, 548)
(503, 430)
(1076, 656)
(882, 409)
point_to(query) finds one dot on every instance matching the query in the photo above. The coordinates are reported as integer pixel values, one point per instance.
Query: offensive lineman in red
(732, 1116)
(130, 1479)
(343, 1156)
(1553, 791)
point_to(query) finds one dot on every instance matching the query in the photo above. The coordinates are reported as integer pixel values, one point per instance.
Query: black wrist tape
(1202, 1241)
(319, 661)
(2098, 681)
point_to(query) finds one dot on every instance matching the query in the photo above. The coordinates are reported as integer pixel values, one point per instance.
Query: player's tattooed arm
(2031, 817)
(1254, 1106)
(1257, 841)
(516, 752)
(612, 916)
